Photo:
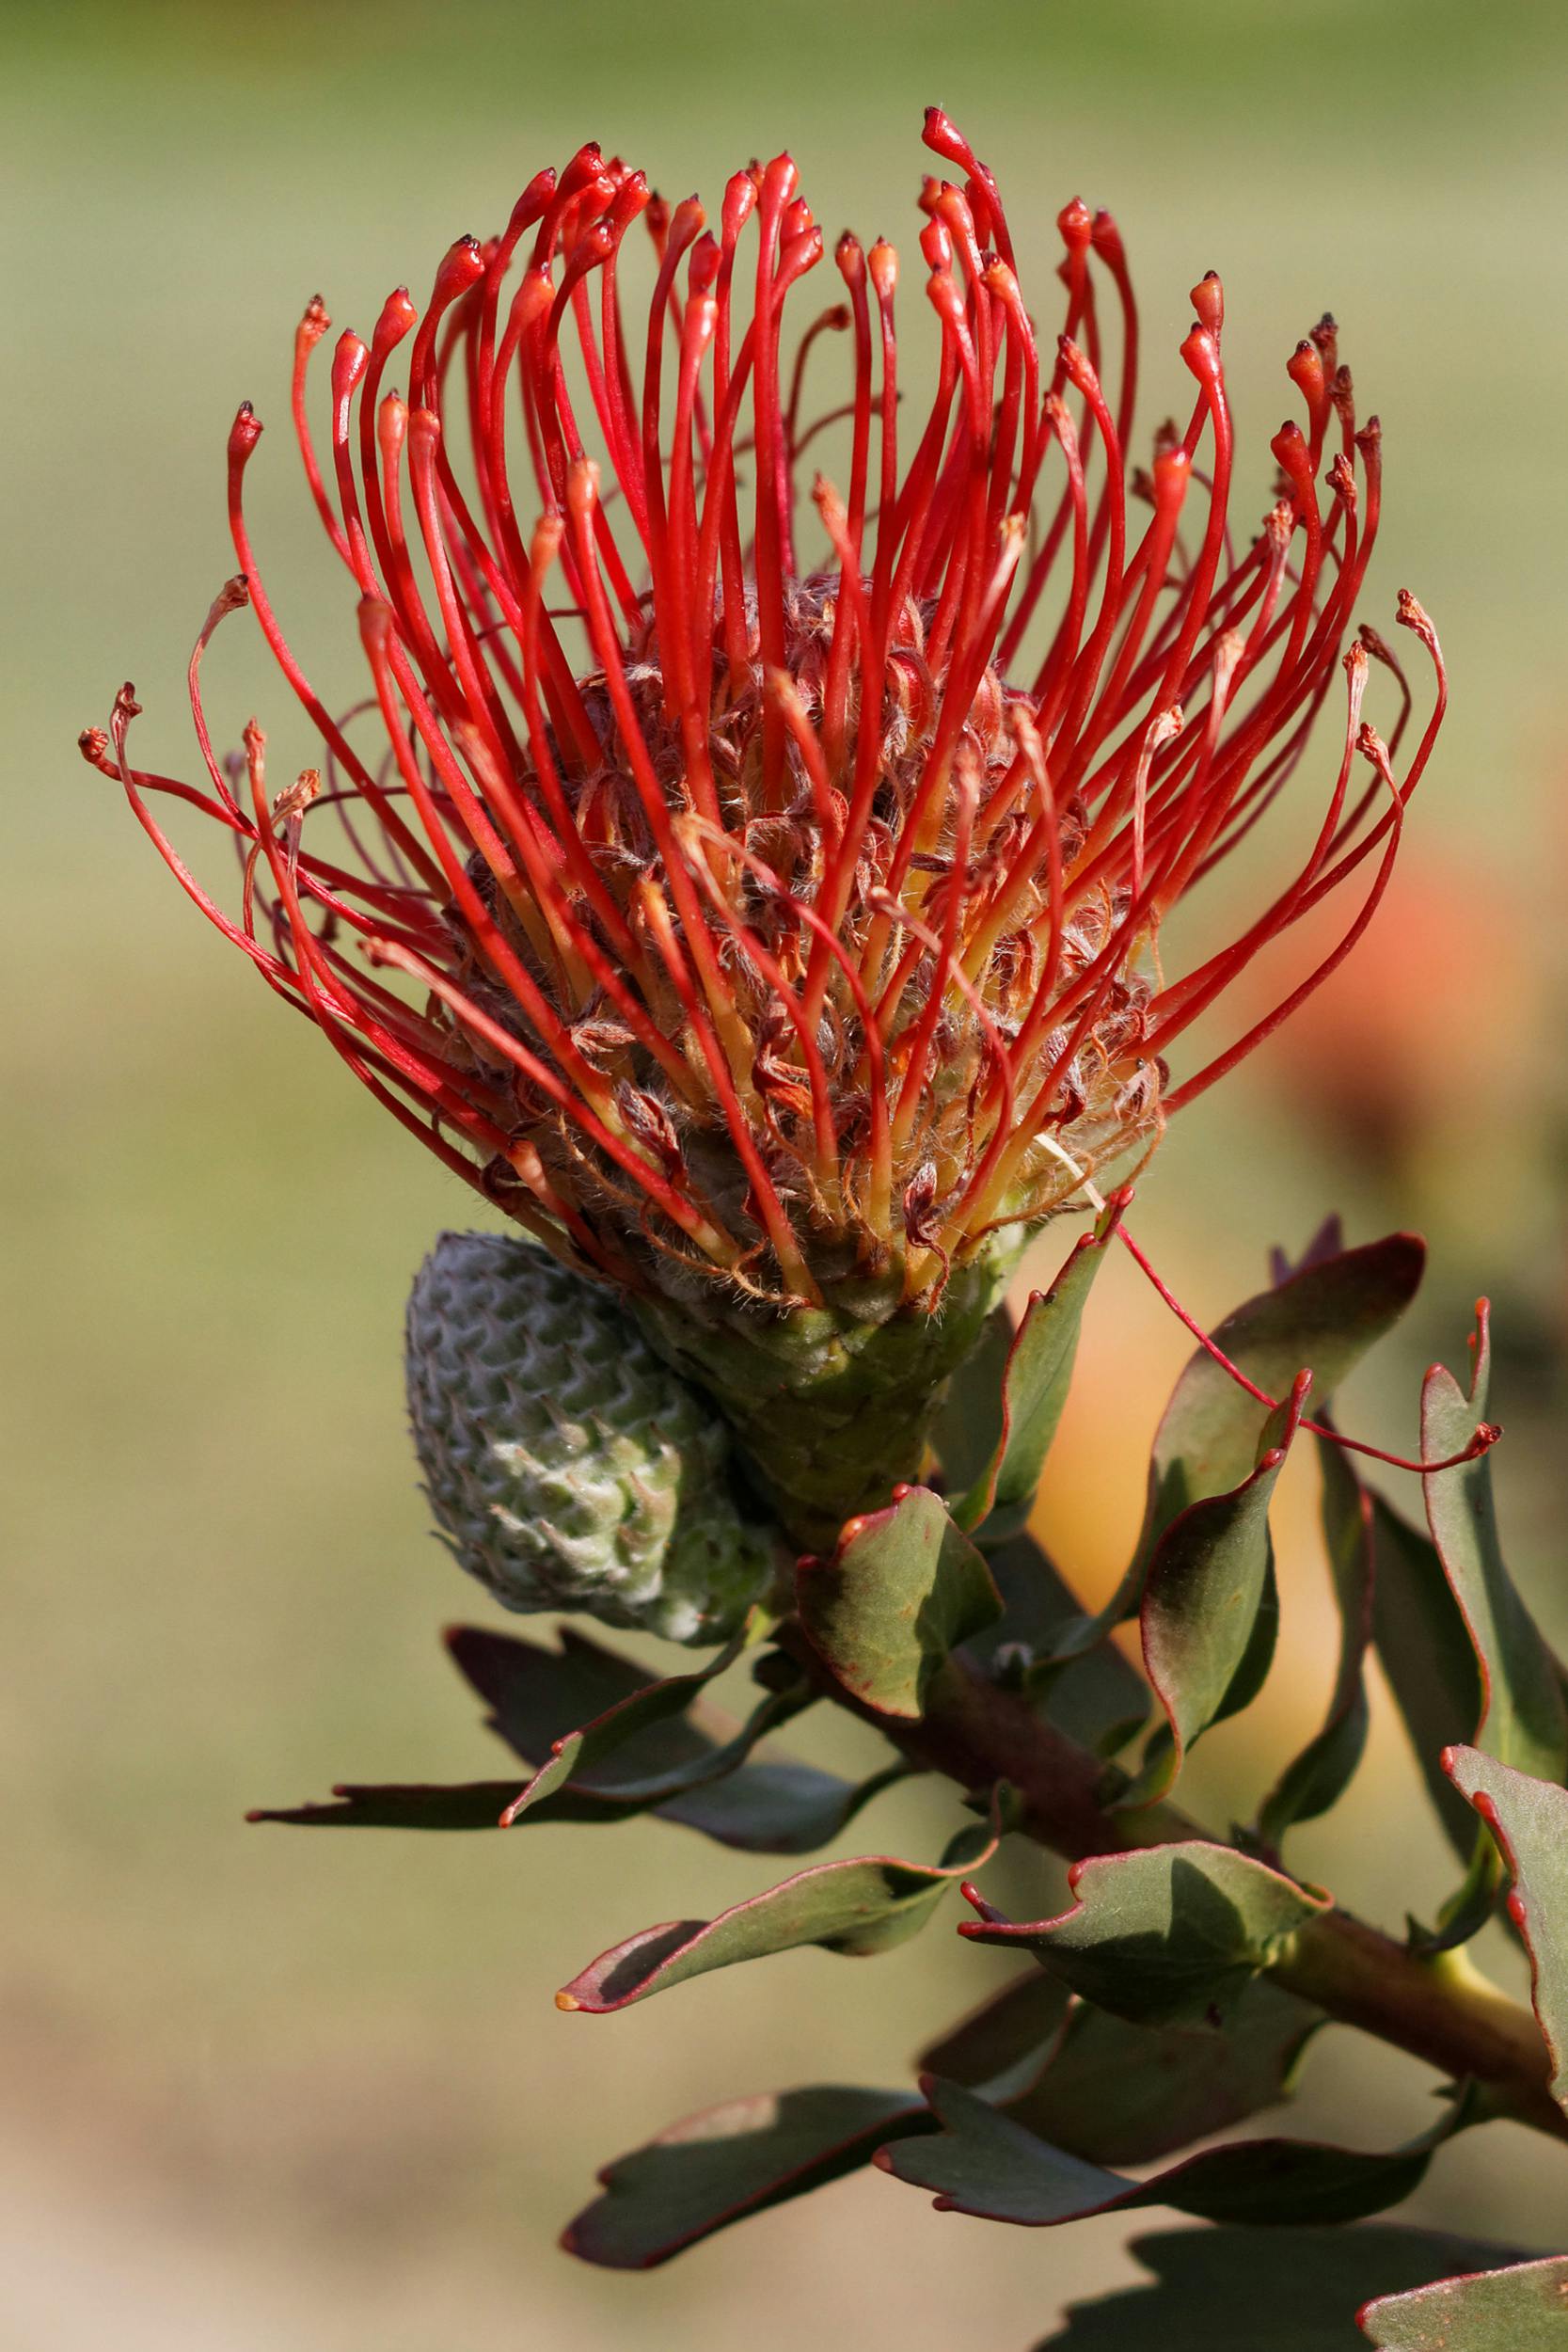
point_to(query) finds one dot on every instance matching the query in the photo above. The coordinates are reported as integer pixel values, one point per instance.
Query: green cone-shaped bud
(568, 1466)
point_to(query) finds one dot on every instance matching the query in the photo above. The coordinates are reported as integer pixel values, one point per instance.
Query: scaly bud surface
(568, 1467)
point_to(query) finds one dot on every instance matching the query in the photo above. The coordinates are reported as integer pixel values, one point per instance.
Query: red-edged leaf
(1318, 1777)
(1528, 1819)
(580, 1754)
(1167, 1935)
(1324, 1316)
(536, 1694)
(1523, 1721)
(1034, 1384)
(637, 1757)
(776, 1807)
(1424, 1648)
(986, 2164)
(733, 2161)
(1260, 2290)
(1117, 2093)
(356, 1804)
(860, 1906)
(1210, 1610)
(1524, 2309)
(761, 1809)
(967, 1428)
(1098, 1697)
(904, 1588)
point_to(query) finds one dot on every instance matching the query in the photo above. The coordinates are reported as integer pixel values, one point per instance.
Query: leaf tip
(567, 2000)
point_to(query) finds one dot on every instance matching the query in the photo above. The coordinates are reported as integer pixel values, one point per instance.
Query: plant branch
(1437, 2007)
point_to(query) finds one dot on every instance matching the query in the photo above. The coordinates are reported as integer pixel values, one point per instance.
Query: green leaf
(1524, 2309)
(1163, 1936)
(1528, 1819)
(1523, 1720)
(968, 1427)
(1210, 1609)
(1326, 1316)
(581, 1754)
(1007, 2040)
(1239, 2290)
(861, 1906)
(903, 1589)
(356, 1804)
(780, 1807)
(1117, 2093)
(986, 2164)
(536, 1695)
(1098, 1697)
(731, 2162)
(1034, 1384)
(1318, 1777)
(761, 1809)
(645, 1760)
(1424, 1648)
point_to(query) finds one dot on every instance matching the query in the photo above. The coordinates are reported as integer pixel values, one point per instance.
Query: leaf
(861, 1906)
(903, 1589)
(1209, 1608)
(1528, 1819)
(1327, 1242)
(1099, 1698)
(1008, 2037)
(1118, 2094)
(472, 1804)
(1524, 2309)
(1163, 1936)
(986, 2164)
(1239, 2290)
(762, 1809)
(732, 2161)
(652, 1706)
(1424, 1648)
(537, 1696)
(1318, 1777)
(1523, 1720)
(776, 1807)
(1326, 1316)
(1034, 1384)
(647, 1760)
(968, 1426)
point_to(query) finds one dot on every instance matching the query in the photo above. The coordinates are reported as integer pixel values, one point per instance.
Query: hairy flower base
(833, 1406)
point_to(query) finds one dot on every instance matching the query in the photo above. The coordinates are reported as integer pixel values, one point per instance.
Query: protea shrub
(758, 887)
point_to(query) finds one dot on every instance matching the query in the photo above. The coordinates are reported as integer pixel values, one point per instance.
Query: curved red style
(752, 878)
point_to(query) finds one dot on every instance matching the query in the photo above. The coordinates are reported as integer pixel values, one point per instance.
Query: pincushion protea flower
(765, 905)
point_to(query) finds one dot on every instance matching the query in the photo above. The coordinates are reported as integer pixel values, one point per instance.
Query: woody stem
(1438, 2008)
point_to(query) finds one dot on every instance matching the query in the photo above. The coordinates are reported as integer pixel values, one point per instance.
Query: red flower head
(756, 883)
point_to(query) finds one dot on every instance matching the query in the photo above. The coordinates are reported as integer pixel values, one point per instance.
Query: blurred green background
(273, 2093)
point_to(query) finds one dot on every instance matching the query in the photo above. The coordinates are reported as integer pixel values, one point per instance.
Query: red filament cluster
(791, 919)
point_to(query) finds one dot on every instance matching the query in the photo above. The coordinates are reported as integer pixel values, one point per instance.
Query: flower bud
(567, 1466)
